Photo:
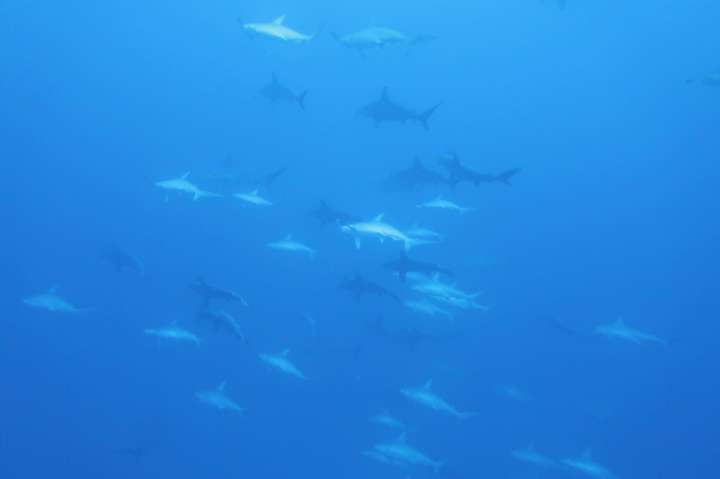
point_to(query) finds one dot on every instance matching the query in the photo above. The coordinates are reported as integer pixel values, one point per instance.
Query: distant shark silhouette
(384, 110)
(405, 265)
(415, 177)
(276, 91)
(359, 287)
(209, 293)
(328, 215)
(121, 260)
(459, 173)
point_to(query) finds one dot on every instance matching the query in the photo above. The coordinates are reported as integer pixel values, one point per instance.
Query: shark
(276, 91)
(174, 333)
(425, 396)
(278, 30)
(282, 363)
(327, 215)
(405, 265)
(417, 231)
(587, 466)
(384, 110)
(121, 260)
(289, 244)
(387, 420)
(443, 204)
(359, 287)
(371, 37)
(253, 197)
(217, 399)
(52, 302)
(417, 176)
(209, 292)
(460, 173)
(399, 452)
(223, 321)
(619, 330)
(423, 306)
(183, 185)
(378, 228)
(266, 181)
(447, 293)
(532, 457)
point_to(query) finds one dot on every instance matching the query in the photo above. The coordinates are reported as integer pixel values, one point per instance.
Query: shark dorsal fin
(379, 217)
(222, 385)
(401, 439)
(184, 177)
(254, 192)
(428, 385)
(384, 94)
(279, 20)
(52, 290)
(288, 237)
(285, 353)
(439, 197)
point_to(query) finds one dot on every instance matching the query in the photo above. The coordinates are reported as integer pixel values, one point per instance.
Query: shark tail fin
(301, 99)
(506, 176)
(424, 117)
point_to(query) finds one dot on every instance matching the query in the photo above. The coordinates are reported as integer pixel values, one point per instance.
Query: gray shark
(587, 466)
(358, 286)
(50, 301)
(372, 37)
(386, 419)
(416, 177)
(183, 185)
(405, 265)
(121, 260)
(327, 215)
(276, 91)
(278, 30)
(443, 204)
(384, 110)
(223, 321)
(460, 173)
(292, 246)
(217, 399)
(531, 456)
(174, 333)
(282, 363)
(378, 228)
(425, 396)
(399, 452)
(209, 293)
(619, 330)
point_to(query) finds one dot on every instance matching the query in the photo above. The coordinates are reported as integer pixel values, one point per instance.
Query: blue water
(614, 214)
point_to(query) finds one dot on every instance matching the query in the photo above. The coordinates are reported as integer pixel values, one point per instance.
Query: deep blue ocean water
(608, 109)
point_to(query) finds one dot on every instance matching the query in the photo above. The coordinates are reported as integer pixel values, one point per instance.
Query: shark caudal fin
(301, 100)
(424, 117)
(506, 176)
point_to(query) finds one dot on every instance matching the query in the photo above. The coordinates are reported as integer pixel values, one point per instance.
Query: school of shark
(408, 282)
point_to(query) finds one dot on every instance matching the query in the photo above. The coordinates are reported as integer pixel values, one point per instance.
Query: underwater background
(609, 109)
